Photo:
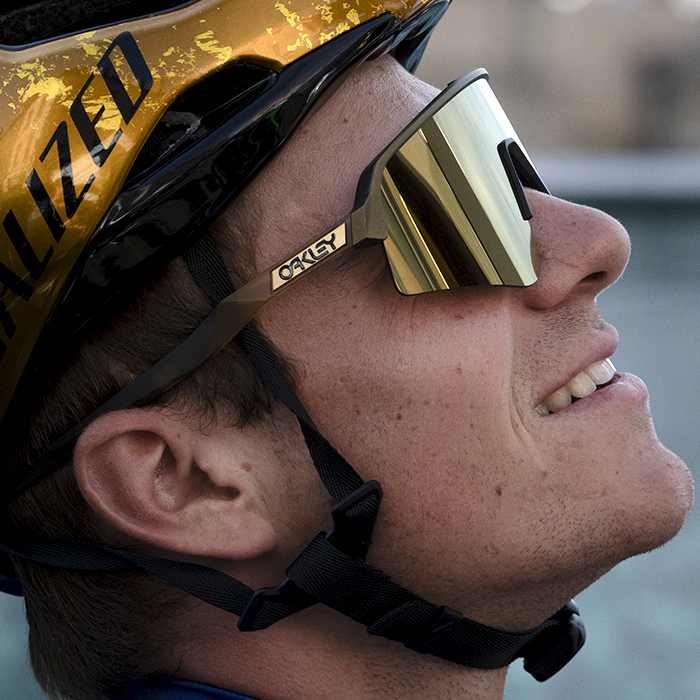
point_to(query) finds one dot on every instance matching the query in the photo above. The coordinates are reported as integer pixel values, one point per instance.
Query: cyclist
(260, 282)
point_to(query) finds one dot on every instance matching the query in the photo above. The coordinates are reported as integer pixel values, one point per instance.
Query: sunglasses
(446, 199)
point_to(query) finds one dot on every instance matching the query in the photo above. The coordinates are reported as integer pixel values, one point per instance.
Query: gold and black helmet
(122, 142)
(125, 128)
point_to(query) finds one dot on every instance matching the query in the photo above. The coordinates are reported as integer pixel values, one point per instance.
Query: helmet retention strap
(332, 569)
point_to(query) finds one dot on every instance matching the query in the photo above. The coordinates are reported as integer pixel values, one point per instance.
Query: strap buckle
(353, 522)
(354, 518)
(549, 653)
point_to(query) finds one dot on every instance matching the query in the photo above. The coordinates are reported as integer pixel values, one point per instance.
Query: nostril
(595, 276)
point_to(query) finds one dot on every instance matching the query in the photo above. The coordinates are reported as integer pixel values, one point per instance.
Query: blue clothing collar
(171, 689)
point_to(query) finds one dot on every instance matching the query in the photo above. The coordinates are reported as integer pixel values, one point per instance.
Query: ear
(164, 482)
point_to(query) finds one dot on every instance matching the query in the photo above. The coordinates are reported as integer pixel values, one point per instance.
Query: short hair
(91, 633)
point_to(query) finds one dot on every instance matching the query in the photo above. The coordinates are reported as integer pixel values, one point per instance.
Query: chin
(667, 499)
(658, 489)
(680, 501)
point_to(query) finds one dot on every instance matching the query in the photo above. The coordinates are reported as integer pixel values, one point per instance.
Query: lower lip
(624, 389)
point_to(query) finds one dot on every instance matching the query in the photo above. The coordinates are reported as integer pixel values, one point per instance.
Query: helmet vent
(208, 104)
(23, 23)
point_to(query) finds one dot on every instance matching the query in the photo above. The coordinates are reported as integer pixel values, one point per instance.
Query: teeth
(582, 385)
(558, 400)
(601, 372)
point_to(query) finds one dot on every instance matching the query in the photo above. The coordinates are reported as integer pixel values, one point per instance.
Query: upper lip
(601, 352)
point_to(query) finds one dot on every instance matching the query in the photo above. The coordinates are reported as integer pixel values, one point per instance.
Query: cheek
(418, 382)
(416, 392)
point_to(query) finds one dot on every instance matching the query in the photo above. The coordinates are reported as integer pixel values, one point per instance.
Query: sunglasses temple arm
(223, 324)
(220, 327)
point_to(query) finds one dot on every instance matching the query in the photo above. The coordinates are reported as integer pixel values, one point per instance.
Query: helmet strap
(332, 569)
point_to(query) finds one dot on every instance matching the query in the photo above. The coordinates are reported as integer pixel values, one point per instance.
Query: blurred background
(581, 74)
(605, 94)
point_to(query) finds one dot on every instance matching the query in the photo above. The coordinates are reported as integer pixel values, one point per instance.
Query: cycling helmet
(123, 138)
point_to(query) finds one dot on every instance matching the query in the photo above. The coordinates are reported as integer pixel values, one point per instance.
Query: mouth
(584, 384)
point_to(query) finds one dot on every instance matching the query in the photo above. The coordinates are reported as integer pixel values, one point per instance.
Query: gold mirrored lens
(452, 218)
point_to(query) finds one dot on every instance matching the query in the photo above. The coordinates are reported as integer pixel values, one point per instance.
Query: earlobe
(163, 482)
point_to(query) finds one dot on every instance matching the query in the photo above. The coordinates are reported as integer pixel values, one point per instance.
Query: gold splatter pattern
(46, 87)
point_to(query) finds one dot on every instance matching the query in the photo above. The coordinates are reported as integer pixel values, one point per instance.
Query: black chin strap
(332, 570)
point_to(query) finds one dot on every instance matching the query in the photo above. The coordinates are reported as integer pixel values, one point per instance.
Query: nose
(582, 250)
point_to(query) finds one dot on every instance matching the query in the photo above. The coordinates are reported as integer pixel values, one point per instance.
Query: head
(437, 394)
(490, 507)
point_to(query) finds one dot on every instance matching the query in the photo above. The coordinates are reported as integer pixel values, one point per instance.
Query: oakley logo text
(309, 257)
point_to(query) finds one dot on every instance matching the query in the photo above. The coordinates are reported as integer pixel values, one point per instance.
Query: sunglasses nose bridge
(521, 173)
(507, 150)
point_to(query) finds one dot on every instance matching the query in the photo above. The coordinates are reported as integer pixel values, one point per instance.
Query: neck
(320, 655)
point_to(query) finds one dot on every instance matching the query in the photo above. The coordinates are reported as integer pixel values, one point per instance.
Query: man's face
(490, 507)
